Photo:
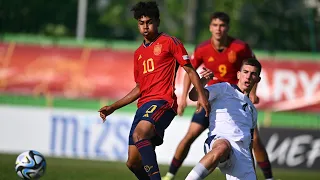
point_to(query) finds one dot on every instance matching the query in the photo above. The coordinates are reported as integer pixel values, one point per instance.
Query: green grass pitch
(72, 169)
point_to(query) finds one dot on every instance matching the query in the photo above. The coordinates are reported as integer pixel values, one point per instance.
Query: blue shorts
(157, 112)
(201, 118)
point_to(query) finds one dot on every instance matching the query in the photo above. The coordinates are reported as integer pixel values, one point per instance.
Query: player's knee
(137, 137)
(140, 134)
(144, 130)
(221, 150)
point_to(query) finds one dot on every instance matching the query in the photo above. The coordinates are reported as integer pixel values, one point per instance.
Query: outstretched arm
(129, 98)
(202, 99)
(193, 95)
(183, 101)
(207, 75)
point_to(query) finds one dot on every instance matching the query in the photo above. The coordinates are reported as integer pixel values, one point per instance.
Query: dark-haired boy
(223, 55)
(232, 120)
(155, 65)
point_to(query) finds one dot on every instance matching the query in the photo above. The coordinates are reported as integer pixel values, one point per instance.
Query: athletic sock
(149, 159)
(266, 169)
(198, 172)
(174, 166)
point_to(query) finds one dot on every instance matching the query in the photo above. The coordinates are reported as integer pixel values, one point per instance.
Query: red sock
(266, 169)
(174, 166)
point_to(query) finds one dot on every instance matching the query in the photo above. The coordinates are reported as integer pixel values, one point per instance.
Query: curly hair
(149, 9)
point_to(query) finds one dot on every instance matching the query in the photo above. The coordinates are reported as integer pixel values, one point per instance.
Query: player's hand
(254, 99)
(105, 111)
(203, 103)
(183, 104)
(207, 74)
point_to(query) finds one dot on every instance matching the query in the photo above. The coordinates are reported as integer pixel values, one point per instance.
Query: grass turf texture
(72, 169)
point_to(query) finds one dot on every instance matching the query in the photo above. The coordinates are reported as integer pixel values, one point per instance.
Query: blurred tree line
(264, 24)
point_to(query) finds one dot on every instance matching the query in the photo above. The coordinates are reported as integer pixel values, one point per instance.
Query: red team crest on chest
(157, 49)
(232, 56)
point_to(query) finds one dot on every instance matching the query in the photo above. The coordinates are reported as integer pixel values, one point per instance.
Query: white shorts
(239, 166)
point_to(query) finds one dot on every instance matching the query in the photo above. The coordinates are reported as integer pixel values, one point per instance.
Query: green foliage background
(264, 24)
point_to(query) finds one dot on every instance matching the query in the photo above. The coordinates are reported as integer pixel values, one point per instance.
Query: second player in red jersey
(223, 55)
(155, 67)
(225, 63)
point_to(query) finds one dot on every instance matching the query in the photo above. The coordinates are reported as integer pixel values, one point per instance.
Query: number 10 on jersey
(148, 65)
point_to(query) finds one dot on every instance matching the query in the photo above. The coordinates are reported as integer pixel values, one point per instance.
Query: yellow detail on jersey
(139, 57)
(211, 59)
(232, 56)
(148, 65)
(150, 110)
(222, 69)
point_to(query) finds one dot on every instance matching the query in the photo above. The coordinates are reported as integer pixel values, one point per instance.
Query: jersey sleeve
(178, 51)
(135, 68)
(215, 90)
(196, 59)
(247, 52)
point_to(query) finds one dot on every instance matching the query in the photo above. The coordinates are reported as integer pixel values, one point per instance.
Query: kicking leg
(141, 137)
(220, 152)
(134, 163)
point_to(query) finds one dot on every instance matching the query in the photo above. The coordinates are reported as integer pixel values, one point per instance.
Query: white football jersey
(232, 113)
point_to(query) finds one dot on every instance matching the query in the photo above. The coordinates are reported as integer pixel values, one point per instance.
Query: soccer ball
(30, 165)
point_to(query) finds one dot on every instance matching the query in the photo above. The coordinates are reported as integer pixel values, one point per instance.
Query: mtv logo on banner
(86, 136)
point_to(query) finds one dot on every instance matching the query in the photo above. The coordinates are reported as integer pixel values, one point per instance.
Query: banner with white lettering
(286, 85)
(81, 134)
(289, 86)
(292, 148)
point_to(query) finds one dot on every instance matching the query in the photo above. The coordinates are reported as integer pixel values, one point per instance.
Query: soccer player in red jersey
(155, 65)
(223, 55)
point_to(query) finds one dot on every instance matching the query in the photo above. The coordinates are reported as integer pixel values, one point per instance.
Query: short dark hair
(222, 16)
(252, 62)
(149, 9)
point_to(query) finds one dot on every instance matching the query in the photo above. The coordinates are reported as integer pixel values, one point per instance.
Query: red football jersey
(155, 68)
(223, 64)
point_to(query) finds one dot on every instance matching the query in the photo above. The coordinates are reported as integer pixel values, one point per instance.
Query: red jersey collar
(229, 41)
(144, 45)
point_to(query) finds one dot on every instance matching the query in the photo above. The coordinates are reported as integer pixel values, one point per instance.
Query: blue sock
(149, 159)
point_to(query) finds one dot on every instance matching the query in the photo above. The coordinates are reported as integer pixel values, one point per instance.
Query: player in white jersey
(231, 123)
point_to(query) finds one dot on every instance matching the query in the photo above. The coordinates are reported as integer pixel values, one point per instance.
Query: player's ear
(258, 79)
(210, 28)
(238, 75)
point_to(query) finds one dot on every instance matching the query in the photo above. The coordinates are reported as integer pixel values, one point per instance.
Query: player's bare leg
(141, 137)
(183, 148)
(220, 152)
(134, 163)
(261, 155)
